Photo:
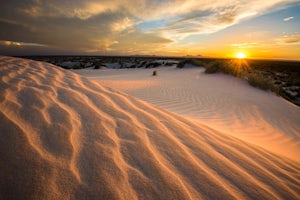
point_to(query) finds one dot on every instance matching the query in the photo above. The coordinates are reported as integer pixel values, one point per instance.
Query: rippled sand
(65, 137)
(222, 102)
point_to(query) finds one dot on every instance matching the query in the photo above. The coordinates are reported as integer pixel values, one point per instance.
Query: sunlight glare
(241, 55)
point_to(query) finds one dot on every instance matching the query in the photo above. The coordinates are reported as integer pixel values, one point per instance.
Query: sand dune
(65, 137)
(219, 101)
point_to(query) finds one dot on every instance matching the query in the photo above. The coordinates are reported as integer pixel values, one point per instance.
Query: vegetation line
(280, 77)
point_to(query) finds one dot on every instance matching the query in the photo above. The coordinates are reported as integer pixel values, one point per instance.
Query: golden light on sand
(130, 160)
(240, 55)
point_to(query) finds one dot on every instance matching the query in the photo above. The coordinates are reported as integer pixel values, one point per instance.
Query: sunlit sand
(222, 102)
(64, 136)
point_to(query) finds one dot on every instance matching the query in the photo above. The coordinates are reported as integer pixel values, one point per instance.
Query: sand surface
(65, 137)
(222, 102)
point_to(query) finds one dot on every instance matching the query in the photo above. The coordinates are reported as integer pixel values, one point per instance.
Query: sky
(210, 28)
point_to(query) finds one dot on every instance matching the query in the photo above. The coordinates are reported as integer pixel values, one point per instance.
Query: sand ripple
(219, 101)
(65, 137)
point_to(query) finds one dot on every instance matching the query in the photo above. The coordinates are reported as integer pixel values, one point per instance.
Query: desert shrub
(152, 65)
(78, 67)
(231, 67)
(97, 67)
(170, 63)
(154, 73)
(65, 67)
(277, 83)
(265, 83)
(261, 82)
(218, 66)
(195, 62)
(181, 64)
(156, 64)
(142, 64)
(212, 67)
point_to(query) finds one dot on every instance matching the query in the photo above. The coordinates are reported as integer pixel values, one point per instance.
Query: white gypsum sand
(65, 137)
(219, 101)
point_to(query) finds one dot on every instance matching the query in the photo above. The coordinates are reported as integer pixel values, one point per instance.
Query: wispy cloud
(245, 45)
(122, 24)
(199, 17)
(288, 19)
(293, 39)
(70, 9)
(14, 43)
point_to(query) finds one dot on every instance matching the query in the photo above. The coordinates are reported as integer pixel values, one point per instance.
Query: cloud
(14, 43)
(138, 42)
(114, 25)
(70, 9)
(293, 39)
(122, 24)
(200, 17)
(245, 45)
(9, 43)
(288, 19)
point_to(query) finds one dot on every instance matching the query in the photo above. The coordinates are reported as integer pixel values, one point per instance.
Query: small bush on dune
(195, 62)
(213, 67)
(154, 73)
(259, 82)
(219, 66)
(78, 67)
(257, 74)
(65, 67)
(152, 65)
(181, 64)
(264, 83)
(231, 67)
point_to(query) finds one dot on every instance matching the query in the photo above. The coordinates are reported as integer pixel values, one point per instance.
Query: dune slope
(65, 137)
(222, 102)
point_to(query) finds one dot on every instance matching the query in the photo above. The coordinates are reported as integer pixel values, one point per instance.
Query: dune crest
(65, 137)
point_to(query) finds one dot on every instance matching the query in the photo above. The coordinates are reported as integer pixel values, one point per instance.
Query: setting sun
(240, 55)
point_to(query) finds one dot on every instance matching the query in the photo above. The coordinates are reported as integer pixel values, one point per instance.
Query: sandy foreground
(66, 137)
(222, 102)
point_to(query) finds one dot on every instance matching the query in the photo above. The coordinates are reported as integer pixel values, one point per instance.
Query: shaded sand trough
(65, 137)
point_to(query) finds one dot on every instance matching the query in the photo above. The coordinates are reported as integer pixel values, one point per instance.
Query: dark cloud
(111, 25)
(67, 25)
